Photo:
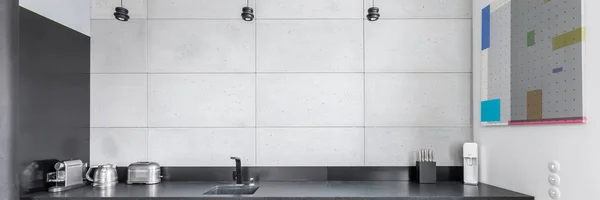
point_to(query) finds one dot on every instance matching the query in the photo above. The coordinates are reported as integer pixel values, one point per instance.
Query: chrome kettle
(104, 176)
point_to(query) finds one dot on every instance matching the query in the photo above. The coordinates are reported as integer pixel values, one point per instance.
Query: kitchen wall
(516, 157)
(53, 111)
(307, 83)
(50, 93)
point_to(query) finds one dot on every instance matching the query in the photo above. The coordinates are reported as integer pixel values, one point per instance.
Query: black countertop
(294, 190)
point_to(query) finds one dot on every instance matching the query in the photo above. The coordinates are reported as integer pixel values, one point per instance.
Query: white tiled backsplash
(307, 83)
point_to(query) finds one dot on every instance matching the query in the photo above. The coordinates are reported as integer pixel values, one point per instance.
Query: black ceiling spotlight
(121, 14)
(373, 13)
(247, 12)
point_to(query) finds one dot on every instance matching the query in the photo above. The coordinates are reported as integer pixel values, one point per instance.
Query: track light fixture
(121, 13)
(373, 13)
(247, 12)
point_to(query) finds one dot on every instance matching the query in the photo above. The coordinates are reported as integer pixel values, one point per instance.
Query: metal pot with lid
(143, 173)
(104, 176)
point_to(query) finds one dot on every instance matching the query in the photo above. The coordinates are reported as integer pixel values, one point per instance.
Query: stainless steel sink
(232, 190)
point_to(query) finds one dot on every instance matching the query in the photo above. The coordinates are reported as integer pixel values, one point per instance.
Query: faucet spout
(237, 174)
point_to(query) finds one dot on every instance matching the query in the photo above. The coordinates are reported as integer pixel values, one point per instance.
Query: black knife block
(426, 172)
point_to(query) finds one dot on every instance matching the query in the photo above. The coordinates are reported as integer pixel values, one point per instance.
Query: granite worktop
(294, 190)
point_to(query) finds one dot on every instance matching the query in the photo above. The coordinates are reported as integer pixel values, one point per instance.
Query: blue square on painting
(490, 110)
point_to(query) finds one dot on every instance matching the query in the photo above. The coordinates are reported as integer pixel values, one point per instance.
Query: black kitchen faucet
(237, 174)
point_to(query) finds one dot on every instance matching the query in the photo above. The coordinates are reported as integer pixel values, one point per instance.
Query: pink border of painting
(582, 120)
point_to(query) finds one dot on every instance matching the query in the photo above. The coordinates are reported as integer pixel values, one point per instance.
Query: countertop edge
(273, 198)
(290, 190)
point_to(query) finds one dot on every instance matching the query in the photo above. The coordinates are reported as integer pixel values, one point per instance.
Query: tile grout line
(147, 83)
(90, 95)
(298, 127)
(226, 73)
(296, 19)
(255, 90)
(364, 52)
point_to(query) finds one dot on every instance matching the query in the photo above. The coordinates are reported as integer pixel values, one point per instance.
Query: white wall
(308, 83)
(516, 157)
(71, 13)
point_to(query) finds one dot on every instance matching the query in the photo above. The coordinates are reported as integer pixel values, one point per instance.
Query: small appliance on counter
(426, 167)
(143, 173)
(470, 163)
(68, 175)
(104, 176)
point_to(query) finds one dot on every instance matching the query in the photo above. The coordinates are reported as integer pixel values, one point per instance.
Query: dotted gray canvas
(499, 60)
(532, 67)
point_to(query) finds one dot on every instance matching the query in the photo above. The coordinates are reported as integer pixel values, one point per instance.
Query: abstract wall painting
(532, 62)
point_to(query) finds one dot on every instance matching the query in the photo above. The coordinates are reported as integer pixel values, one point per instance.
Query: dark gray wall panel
(444, 173)
(53, 92)
(8, 63)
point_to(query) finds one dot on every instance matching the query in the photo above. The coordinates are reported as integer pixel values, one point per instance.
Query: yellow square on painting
(569, 38)
(534, 105)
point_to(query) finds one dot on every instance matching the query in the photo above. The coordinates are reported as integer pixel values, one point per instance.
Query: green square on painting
(530, 38)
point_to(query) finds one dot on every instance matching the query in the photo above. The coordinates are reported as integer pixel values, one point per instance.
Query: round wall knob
(554, 179)
(554, 166)
(554, 193)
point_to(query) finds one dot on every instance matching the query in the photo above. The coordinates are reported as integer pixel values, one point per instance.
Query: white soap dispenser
(471, 163)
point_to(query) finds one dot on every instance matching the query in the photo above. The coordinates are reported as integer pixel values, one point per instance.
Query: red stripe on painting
(549, 121)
